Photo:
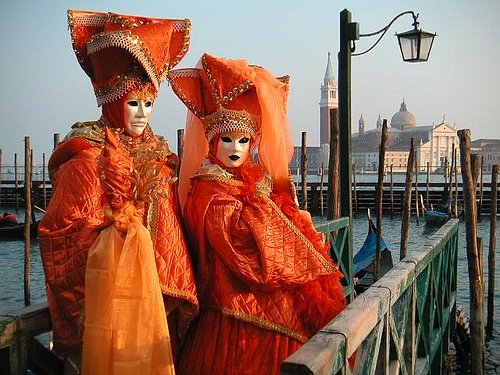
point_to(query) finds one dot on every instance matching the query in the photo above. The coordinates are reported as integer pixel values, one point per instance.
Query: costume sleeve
(67, 230)
(260, 245)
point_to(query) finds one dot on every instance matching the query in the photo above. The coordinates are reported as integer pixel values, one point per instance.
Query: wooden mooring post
(322, 176)
(417, 211)
(16, 179)
(392, 193)
(455, 173)
(406, 209)
(480, 208)
(354, 190)
(27, 220)
(428, 182)
(180, 146)
(44, 182)
(303, 170)
(492, 249)
(450, 184)
(1, 163)
(379, 197)
(57, 140)
(475, 276)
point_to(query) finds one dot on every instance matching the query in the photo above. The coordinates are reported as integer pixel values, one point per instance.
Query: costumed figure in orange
(265, 280)
(112, 244)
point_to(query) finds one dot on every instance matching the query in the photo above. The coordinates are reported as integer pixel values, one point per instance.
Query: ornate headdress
(226, 95)
(120, 52)
(221, 94)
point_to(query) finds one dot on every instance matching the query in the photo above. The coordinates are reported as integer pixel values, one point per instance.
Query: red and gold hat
(222, 94)
(120, 52)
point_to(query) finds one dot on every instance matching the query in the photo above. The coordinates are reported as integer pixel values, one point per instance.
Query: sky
(44, 90)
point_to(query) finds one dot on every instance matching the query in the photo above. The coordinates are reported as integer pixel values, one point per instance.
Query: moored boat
(364, 260)
(16, 232)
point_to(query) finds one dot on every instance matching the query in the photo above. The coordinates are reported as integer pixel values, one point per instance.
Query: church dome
(403, 119)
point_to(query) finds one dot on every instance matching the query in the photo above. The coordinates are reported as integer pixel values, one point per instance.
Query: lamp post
(415, 46)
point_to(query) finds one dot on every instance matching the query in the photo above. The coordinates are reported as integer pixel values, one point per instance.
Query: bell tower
(329, 100)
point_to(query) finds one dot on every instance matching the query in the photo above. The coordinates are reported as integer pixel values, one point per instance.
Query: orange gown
(74, 220)
(265, 281)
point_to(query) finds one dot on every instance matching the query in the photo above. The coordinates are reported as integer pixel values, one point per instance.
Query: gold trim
(212, 177)
(180, 294)
(233, 93)
(264, 324)
(177, 74)
(152, 217)
(185, 46)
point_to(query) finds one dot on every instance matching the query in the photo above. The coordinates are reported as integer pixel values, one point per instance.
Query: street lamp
(415, 47)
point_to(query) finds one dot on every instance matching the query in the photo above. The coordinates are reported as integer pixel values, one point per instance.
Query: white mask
(137, 114)
(233, 149)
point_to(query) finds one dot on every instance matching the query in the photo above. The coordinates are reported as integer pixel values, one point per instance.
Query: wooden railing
(402, 324)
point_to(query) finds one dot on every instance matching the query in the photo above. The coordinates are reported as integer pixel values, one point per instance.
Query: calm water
(12, 270)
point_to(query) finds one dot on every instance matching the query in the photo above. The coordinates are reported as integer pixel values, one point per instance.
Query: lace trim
(231, 121)
(117, 89)
(132, 44)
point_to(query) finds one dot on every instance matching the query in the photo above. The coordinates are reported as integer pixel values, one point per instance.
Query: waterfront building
(488, 150)
(433, 144)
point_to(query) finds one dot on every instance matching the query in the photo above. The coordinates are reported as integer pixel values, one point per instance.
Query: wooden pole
(379, 198)
(456, 184)
(297, 180)
(480, 208)
(392, 193)
(492, 249)
(180, 146)
(1, 160)
(354, 188)
(322, 174)
(303, 167)
(475, 175)
(417, 210)
(44, 182)
(475, 276)
(32, 168)
(446, 170)
(27, 220)
(56, 140)
(474, 161)
(16, 180)
(450, 184)
(405, 225)
(333, 199)
(428, 183)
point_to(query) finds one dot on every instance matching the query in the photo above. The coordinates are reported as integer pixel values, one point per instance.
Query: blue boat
(364, 260)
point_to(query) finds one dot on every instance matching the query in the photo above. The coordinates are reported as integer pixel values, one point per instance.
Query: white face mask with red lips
(233, 149)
